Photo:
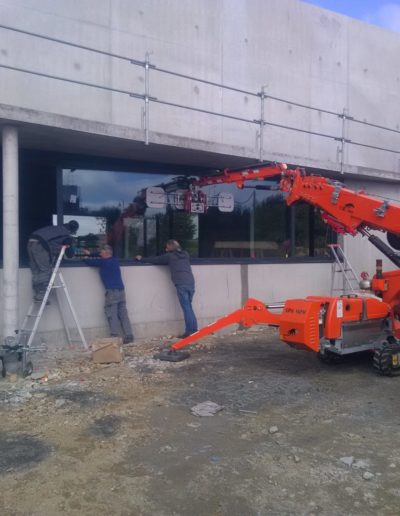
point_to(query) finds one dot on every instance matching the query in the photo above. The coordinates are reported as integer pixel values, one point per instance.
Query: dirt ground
(295, 436)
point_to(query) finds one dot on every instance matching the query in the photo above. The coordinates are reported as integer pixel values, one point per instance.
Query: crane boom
(241, 176)
(345, 210)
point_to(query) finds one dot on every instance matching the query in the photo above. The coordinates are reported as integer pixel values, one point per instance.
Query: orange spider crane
(329, 326)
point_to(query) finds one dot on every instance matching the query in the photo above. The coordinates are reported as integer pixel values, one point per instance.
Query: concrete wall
(297, 51)
(151, 299)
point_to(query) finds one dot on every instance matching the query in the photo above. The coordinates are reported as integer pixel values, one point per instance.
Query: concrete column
(10, 230)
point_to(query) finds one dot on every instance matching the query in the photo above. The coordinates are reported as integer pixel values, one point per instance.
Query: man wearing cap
(44, 246)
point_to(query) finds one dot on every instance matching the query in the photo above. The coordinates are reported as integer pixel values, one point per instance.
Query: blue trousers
(185, 296)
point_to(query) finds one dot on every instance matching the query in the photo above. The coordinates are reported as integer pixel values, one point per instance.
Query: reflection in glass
(110, 207)
(117, 201)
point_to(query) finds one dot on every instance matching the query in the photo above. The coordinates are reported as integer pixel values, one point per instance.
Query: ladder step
(340, 289)
(350, 280)
(342, 267)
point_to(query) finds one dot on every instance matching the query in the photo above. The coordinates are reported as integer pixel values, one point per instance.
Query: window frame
(126, 167)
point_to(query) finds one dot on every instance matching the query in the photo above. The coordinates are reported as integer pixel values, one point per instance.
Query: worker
(182, 277)
(115, 300)
(44, 245)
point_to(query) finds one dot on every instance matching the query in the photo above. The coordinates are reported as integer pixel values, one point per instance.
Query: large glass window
(37, 195)
(257, 227)
(111, 207)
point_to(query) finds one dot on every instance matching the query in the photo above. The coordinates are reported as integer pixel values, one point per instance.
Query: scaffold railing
(262, 95)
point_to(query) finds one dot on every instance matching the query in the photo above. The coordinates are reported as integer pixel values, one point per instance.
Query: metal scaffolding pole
(146, 99)
(344, 116)
(262, 123)
(10, 230)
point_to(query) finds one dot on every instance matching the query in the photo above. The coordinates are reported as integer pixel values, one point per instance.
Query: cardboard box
(108, 350)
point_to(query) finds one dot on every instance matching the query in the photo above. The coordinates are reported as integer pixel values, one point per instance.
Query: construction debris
(107, 350)
(206, 409)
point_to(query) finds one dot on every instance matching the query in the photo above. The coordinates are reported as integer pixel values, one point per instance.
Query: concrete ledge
(44, 130)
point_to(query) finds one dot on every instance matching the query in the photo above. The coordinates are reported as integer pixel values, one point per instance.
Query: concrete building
(107, 97)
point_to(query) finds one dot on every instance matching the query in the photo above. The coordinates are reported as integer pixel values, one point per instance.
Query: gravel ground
(294, 436)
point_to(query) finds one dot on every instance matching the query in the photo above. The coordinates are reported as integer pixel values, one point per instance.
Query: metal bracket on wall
(262, 96)
(344, 116)
(146, 98)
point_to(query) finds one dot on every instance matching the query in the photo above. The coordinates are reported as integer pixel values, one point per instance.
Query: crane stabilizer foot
(172, 355)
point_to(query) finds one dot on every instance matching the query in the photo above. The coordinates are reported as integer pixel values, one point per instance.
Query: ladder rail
(347, 271)
(71, 307)
(345, 267)
(64, 319)
(45, 297)
(348, 265)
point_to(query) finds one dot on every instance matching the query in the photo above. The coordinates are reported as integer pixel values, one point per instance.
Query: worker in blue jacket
(115, 301)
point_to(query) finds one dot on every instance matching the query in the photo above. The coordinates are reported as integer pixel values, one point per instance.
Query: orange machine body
(299, 323)
(338, 323)
(305, 322)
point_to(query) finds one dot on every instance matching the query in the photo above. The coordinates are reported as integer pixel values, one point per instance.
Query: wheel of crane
(387, 359)
(28, 370)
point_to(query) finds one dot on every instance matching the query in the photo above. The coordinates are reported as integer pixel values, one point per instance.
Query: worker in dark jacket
(182, 277)
(115, 301)
(44, 245)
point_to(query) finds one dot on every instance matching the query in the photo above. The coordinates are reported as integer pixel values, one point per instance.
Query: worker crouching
(44, 245)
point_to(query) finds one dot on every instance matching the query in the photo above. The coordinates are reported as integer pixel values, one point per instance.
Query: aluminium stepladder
(344, 271)
(27, 332)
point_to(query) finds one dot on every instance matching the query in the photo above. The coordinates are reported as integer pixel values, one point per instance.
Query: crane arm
(345, 210)
(241, 176)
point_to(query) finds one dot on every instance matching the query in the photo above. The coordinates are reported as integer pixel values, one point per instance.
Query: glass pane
(302, 230)
(323, 235)
(110, 207)
(256, 227)
(271, 235)
(312, 234)
(37, 196)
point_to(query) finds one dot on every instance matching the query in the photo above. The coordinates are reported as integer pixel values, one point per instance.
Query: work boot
(128, 339)
(39, 296)
(40, 291)
(38, 299)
